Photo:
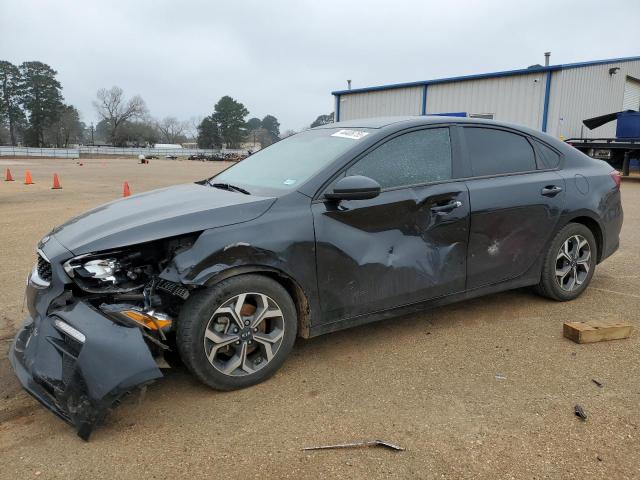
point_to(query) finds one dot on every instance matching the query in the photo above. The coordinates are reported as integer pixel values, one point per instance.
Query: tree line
(33, 113)
(227, 126)
(32, 109)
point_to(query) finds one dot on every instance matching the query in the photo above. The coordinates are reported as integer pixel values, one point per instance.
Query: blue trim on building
(337, 108)
(449, 114)
(424, 100)
(507, 73)
(547, 93)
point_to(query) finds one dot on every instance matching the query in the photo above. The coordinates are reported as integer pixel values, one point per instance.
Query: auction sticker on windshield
(352, 134)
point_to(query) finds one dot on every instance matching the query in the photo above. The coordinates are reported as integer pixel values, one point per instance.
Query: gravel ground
(480, 389)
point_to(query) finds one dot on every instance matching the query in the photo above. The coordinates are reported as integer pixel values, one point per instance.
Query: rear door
(515, 203)
(406, 245)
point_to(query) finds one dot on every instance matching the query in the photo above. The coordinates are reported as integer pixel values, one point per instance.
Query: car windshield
(287, 164)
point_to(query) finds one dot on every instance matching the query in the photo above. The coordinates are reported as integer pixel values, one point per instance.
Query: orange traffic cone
(8, 177)
(27, 178)
(56, 182)
(125, 190)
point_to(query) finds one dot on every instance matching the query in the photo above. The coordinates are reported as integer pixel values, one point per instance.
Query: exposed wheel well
(592, 225)
(298, 295)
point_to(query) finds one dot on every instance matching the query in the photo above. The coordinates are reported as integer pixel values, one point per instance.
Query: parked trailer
(618, 151)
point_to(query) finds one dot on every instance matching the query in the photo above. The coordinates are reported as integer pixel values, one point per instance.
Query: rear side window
(495, 152)
(410, 159)
(547, 158)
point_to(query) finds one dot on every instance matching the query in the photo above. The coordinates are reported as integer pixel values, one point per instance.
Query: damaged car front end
(96, 324)
(103, 297)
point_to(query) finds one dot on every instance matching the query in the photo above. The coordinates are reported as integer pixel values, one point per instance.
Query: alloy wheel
(244, 334)
(573, 263)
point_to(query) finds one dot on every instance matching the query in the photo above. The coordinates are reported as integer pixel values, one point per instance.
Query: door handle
(446, 208)
(550, 191)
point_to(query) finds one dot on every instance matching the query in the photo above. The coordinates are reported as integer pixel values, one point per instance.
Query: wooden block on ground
(596, 331)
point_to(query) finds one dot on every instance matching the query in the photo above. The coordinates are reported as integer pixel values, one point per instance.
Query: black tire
(197, 313)
(549, 286)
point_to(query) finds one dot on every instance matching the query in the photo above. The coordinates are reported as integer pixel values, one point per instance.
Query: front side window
(495, 152)
(410, 159)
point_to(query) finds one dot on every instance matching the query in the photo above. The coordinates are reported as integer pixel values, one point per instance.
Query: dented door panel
(392, 250)
(511, 222)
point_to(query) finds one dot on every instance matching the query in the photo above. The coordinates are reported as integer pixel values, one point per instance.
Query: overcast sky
(284, 58)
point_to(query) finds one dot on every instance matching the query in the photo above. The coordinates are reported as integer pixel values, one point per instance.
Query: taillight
(617, 178)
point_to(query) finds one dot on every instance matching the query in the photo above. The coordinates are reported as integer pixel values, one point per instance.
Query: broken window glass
(413, 158)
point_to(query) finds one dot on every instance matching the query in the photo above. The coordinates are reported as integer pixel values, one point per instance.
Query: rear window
(495, 152)
(547, 158)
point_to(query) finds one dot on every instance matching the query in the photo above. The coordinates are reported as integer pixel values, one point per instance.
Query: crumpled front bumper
(80, 381)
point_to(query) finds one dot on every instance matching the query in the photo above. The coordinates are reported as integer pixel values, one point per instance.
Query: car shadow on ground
(310, 354)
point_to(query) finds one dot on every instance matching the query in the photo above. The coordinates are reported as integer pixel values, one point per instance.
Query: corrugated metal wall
(585, 92)
(400, 101)
(631, 98)
(575, 94)
(515, 99)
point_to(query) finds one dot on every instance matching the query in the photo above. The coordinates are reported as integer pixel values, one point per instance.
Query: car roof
(382, 122)
(400, 122)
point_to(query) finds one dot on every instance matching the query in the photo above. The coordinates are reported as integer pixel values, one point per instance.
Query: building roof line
(479, 76)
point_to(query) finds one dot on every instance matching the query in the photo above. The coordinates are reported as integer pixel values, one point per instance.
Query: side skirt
(524, 281)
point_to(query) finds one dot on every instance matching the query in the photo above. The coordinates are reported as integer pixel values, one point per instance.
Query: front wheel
(238, 332)
(569, 263)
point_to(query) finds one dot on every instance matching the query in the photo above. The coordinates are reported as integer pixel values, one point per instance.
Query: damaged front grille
(44, 268)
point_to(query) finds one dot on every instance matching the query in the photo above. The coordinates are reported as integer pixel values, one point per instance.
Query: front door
(407, 245)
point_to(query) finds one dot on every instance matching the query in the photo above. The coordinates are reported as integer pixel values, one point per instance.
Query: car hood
(158, 214)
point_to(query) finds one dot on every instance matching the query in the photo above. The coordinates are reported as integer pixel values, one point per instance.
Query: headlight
(115, 271)
(100, 269)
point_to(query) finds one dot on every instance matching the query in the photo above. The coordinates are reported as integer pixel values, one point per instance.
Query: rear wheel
(569, 263)
(238, 332)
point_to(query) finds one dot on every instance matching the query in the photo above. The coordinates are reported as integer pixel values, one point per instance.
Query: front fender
(280, 242)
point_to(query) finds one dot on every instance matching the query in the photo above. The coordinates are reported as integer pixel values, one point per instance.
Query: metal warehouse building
(552, 98)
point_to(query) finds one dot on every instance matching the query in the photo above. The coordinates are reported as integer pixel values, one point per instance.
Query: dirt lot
(481, 389)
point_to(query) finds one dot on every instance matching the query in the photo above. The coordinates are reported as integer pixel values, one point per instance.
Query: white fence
(39, 152)
(116, 151)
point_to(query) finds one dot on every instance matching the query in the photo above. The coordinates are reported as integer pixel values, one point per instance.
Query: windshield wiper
(228, 186)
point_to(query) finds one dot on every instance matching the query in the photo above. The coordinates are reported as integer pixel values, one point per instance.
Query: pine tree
(229, 115)
(41, 97)
(10, 112)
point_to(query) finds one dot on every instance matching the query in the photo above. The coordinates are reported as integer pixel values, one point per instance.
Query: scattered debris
(371, 443)
(580, 412)
(596, 331)
(501, 376)
(599, 384)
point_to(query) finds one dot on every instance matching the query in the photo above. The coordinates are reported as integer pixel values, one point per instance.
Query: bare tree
(115, 109)
(172, 130)
(191, 127)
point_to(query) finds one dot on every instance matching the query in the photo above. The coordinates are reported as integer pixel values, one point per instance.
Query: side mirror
(356, 187)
